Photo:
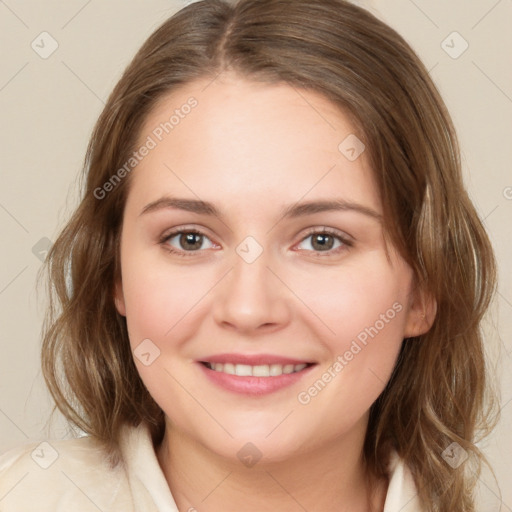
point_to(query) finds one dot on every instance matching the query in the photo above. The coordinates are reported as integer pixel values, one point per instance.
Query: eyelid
(330, 231)
(346, 240)
(167, 235)
(184, 229)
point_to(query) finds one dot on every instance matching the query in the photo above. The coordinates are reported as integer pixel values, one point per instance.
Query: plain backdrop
(49, 105)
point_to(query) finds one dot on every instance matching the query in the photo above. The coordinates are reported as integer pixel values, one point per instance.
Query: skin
(252, 149)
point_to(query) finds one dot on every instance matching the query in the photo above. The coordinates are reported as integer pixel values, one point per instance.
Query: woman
(272, 289)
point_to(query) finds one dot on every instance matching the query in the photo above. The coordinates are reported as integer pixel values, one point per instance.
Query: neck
(325, 478)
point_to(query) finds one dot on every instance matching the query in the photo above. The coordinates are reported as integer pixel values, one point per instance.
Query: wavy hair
(439, 392)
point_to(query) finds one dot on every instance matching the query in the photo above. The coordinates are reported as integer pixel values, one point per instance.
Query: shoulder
(72, 474)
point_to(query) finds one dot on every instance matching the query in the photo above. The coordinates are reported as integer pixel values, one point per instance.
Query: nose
(251, 298)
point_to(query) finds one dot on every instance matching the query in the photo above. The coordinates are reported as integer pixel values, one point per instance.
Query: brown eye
(187, 241)
(324, 241)
(190, 241)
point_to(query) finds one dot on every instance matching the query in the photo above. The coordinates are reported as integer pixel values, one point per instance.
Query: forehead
(241, 141)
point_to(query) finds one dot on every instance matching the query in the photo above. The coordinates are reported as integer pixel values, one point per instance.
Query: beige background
(48, 107)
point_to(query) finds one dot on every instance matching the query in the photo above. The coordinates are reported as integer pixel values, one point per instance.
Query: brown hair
(437, 394)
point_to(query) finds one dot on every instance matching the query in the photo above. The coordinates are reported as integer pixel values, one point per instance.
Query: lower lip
(253, 385)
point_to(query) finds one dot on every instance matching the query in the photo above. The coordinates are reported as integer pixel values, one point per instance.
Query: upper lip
(253, 360)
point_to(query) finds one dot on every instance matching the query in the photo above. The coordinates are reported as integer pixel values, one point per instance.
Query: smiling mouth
(262, 370)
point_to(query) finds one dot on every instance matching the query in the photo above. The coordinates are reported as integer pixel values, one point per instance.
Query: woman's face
(280, 263)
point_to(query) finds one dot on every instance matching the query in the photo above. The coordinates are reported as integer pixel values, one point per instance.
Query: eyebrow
(292, 211)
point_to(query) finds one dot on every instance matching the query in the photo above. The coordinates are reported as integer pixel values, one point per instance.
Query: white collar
(150, 488)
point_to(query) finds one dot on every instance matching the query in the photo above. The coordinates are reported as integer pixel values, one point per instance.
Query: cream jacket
(73, 476)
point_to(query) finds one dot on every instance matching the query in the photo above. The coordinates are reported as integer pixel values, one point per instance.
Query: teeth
(288, 368)
(260, 371)
(264, 370)
(275, 369)
(228, 368)
(243, 370)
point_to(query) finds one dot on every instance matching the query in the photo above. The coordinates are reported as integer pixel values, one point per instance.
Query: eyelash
(347, 243)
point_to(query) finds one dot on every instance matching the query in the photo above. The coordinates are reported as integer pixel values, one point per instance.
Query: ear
(421, 314)
(119, 298)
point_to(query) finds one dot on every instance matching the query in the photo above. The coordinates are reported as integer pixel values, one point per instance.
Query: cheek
(356, 297)
(160, 303)
(363, 309)
(158, 296)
